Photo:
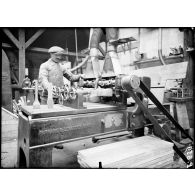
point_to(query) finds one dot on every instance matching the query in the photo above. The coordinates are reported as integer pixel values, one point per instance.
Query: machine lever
(99, 138)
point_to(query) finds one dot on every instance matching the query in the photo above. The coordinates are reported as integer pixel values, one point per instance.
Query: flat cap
(55, 49)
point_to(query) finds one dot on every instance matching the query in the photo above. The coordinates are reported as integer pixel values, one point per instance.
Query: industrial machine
(97, 109)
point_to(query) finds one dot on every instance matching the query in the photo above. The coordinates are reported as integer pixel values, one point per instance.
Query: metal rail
(71, 140)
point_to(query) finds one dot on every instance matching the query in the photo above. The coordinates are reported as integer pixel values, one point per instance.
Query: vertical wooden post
(21, 36)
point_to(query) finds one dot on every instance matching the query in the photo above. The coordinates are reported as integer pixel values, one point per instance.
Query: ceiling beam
(34, 37)
(43, 50)
(11, 37)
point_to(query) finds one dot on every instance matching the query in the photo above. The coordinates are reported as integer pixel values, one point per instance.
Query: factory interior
(126, 102)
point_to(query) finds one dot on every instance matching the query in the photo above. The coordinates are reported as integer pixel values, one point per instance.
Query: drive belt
(163, 109)
(155, 122)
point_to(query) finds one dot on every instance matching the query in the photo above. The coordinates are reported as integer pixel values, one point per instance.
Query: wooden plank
(130, 162)
(132, 143)
(11, 37)
(128, 153)
(162, 164)
(142, 161)
(34, 37)
(147, 163)
(148, 157)
(157, 161)
(21, 61)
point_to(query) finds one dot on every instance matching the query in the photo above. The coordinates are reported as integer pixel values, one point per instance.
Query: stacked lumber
(142, 152)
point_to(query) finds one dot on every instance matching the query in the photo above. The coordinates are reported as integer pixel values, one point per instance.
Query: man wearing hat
(53, 70)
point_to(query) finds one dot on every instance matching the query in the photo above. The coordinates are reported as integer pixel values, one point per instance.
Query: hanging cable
(90, 35)
(160, 46)
(76, 46)
(66, 49)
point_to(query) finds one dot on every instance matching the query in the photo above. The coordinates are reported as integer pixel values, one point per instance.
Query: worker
(53, 70)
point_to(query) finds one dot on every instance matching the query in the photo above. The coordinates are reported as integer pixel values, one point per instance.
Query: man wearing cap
(53, 70)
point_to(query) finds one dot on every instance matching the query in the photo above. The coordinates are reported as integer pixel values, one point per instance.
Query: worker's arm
(43, 76)
(70, 76)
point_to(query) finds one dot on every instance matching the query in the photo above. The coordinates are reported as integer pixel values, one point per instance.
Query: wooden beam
(21, 62)
(43, 50)
(34, 37)
(38, 49)
(14, 77)
(11, 37)
(6, 45)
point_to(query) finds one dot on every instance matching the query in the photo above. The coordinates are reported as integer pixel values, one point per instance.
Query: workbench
(41, 129)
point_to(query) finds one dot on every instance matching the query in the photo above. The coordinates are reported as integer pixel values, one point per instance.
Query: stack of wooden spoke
(142, 152)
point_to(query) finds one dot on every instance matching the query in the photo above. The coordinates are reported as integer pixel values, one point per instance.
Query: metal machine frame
(40, 130)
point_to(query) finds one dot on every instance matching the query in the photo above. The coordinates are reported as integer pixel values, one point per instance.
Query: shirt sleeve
(43, 76)
(70, 76)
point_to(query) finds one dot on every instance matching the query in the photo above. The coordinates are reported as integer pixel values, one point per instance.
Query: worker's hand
(54, 91)
(53, 88)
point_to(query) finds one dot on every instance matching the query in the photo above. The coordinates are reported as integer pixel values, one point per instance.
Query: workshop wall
(147, 39)
(171, 38)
